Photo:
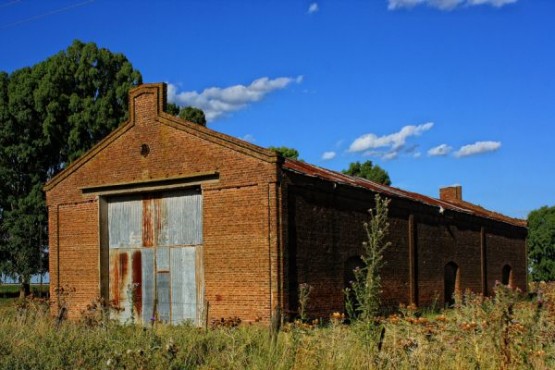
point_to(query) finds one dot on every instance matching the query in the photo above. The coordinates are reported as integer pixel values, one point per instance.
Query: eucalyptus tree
(50, 114)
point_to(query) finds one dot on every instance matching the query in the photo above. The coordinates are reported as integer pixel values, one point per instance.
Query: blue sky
(437, 92)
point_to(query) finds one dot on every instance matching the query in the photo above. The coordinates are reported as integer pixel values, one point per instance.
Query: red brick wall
(79, 255)
(506, 248)
(458, 239)
(237, 265)
(439, 241)
(324, 228)
(239, 218)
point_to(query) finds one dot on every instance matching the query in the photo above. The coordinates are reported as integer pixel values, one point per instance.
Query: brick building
(172, 220)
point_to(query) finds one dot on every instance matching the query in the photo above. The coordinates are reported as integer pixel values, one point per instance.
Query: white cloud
(386, 156)
(445, 4)
(440, 150)
(394, 141)
(390, 155)
(495, 3)
(328, 155)
(249, 138)
(313, 8)
(478, 147)
(400, 4)
(373, 153)
(216, 101)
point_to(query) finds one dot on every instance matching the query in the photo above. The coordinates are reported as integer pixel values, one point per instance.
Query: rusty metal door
(154, 244)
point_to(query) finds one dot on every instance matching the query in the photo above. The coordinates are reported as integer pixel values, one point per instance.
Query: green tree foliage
(193, 114)
(50, 114)
(286, 151)
(172, 109)
(541, 243)
(190, 114)
(369, 171)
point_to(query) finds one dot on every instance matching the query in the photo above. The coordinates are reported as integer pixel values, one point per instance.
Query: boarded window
(153, 244)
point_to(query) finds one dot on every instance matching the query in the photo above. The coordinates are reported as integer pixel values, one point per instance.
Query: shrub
(363, 298)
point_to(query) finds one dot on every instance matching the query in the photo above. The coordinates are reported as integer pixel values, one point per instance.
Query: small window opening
(451, 283)
(507, 276)
(145, 150)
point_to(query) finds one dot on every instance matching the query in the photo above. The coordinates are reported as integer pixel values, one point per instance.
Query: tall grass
(508, 331)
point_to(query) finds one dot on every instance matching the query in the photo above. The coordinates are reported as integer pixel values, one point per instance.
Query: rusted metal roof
(340, 178)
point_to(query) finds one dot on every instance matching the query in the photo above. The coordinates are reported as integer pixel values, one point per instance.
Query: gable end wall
(240, 213)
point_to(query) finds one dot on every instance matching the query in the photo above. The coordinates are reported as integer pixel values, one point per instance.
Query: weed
(304, 297)
(363, 298)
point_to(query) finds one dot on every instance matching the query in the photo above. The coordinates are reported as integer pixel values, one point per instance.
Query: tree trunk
(24, 289)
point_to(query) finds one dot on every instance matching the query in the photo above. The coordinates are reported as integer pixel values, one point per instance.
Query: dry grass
(505, 332)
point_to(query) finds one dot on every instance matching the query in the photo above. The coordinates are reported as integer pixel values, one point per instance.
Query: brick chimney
(451, 193)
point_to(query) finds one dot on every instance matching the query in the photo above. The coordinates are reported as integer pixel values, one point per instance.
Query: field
(510, 331)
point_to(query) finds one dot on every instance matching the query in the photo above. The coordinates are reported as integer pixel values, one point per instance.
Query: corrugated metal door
(154, 246)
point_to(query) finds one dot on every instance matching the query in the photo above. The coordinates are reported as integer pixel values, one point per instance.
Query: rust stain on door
(149, 210)
(119, 271)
